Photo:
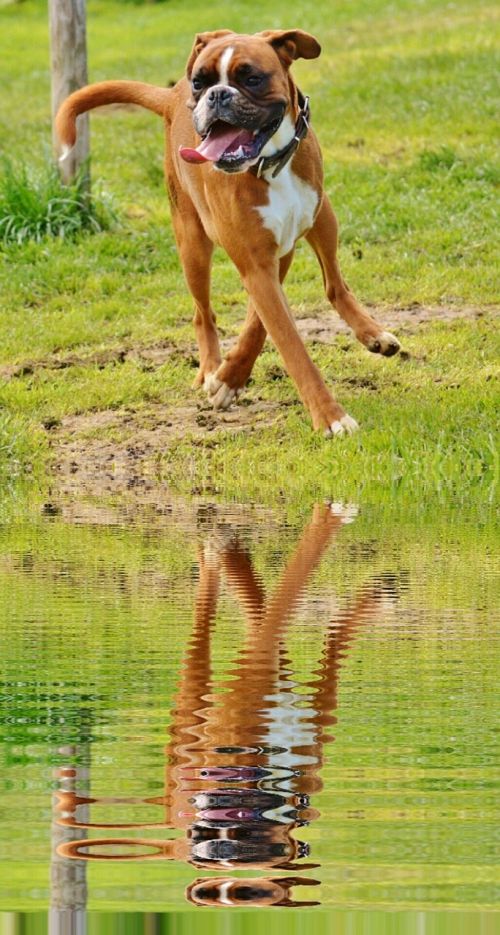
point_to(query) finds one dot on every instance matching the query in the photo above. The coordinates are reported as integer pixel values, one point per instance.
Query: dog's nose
(219, 95)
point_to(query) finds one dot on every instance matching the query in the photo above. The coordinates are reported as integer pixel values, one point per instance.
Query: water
(227, 706)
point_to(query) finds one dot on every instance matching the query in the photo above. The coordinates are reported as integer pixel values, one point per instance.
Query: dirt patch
(114, 450)
(153, 504)
(151, 356)
(324, 328)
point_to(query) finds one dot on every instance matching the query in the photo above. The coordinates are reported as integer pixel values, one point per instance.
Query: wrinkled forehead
(230, 53)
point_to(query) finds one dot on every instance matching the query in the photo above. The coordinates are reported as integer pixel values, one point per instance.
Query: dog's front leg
(225, 384)
(195, 252)
(235, 370)
(260, 277)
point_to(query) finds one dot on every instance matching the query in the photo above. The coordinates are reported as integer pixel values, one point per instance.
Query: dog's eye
(253, 81)
(197, 84)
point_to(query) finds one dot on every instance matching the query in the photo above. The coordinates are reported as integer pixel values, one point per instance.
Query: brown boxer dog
(244, 170)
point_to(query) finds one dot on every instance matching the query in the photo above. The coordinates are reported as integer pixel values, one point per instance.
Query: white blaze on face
(225, 61)
(225, 893)
(201, 109)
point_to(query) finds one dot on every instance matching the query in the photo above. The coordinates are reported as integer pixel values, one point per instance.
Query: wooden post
(68, 878)
(68, 45)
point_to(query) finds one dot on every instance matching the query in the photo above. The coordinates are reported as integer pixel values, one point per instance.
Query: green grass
(35, 206)
(356, 922)
(427, 425)
(403, 102)
(22, 450)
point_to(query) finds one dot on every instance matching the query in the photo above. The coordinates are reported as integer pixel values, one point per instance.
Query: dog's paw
(345, 512)
(219, 393)
(384, 343)
(216, 545)
(344, 426)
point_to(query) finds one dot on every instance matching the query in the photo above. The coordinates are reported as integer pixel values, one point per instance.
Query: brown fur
(239, 717)
(213, 207)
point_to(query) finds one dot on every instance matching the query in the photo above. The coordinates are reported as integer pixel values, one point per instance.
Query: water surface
(217, 705)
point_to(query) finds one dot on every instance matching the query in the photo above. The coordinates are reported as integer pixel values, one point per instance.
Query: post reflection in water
(243, 763)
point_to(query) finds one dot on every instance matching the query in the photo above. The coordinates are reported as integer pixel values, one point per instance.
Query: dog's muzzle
(219, 98)
(233, 131)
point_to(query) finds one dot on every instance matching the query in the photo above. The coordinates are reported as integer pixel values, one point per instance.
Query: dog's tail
(106, 92)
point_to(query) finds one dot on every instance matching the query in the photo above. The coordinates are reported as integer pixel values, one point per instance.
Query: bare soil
(113, 450)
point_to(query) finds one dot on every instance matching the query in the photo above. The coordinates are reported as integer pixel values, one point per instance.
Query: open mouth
(228, 146)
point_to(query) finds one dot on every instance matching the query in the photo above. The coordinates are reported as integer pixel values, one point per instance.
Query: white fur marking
(290, 210)
(346, 425)
(292, 203)
(345, 512)
(387, 340)
(283, 136)
(200, 111)
(350, 424)
(225, 60)
(224, 397)
(220, 394)
(211, 381)
(384, 343)
(65, 151)
(224, 893)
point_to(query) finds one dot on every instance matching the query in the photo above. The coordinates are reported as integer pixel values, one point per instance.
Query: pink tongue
(215, 145)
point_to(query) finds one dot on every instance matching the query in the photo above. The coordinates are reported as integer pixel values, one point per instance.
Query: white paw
(65, 151)
(211, 551)
(208, 381)
(346, 512)
(385, 343)
(216, 545)
(220, 394)
(344, 426)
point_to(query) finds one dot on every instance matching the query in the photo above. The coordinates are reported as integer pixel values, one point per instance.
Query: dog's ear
(291, 44)
(201, 40)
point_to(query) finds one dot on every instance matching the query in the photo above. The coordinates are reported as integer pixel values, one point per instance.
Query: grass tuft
(22, 450)
(37, 205)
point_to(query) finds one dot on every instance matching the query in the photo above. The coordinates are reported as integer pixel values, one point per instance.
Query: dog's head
(256, 891)
(241, 91)
(238, 826)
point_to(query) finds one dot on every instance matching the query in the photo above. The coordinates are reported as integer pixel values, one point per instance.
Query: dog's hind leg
(195, 251)
(233, 373)
(323, 238)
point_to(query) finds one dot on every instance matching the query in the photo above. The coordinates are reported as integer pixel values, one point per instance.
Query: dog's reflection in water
(260, 891)
(243, 763)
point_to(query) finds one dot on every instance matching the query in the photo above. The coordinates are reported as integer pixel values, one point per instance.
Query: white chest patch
(290, 210)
